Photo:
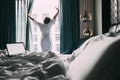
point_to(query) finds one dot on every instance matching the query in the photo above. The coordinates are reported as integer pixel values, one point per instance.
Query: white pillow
(115, 29)
(82, 66)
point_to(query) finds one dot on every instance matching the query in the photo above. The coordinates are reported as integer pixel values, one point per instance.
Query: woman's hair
(47, 20)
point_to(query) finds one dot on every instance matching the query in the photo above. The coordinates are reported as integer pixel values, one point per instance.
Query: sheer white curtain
(23, 7)
(21, 20)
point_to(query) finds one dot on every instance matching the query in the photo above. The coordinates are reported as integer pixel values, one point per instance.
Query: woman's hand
(28, 14)
(56, 13)
(30, 17)
(57, 9)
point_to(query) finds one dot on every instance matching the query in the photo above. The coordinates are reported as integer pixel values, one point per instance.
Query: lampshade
(85, 16)
(87, 32)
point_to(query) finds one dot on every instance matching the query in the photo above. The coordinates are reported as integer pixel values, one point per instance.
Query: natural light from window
(40, 10)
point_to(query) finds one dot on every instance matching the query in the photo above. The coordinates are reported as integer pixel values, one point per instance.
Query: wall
(91, 9)
(98, 17)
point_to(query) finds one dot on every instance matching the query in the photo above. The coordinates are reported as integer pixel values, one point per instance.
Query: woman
(45, 30)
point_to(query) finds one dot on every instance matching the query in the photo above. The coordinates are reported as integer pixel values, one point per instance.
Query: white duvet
(99, 50)
(34, 66)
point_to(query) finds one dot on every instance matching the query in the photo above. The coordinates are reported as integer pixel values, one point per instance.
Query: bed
(33, 66)
(98, 58)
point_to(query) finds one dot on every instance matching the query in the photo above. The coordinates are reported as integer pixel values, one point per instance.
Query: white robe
(45, 39)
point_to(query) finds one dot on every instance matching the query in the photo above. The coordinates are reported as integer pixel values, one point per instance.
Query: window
(40, 9)
(39, 12)
(57, 36)
(58, 47)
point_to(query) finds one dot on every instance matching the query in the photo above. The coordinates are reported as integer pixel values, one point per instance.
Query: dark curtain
(110, 14)
(28, 26)
(70, 28)
(106, 15)
(7, 22)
